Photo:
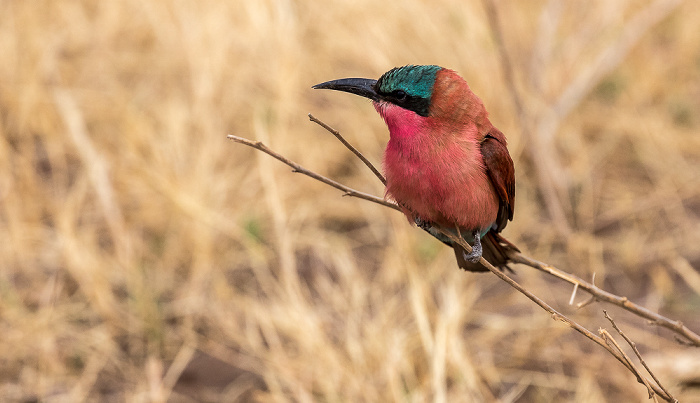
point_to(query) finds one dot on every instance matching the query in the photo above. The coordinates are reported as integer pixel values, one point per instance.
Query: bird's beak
(363, 87)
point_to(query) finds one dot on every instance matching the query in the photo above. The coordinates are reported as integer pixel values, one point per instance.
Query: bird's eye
(399, 95)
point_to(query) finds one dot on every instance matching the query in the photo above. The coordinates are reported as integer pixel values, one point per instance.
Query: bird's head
(420, 92)
(409, 87)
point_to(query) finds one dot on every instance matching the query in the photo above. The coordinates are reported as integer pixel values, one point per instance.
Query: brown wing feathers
(499, 167)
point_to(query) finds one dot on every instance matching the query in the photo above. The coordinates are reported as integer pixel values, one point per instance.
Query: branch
(597, 294)
(677, 326)
(605, 340)
(601, 341)
(350, 147)
(638, 354)
(258, 145)
(611, 342)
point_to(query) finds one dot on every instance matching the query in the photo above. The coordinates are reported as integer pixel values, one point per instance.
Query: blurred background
(145, 257)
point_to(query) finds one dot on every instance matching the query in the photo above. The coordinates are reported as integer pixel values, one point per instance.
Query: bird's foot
(477, 251)
(422, 223)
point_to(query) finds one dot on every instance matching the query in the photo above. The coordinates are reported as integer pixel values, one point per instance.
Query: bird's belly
(450, 193)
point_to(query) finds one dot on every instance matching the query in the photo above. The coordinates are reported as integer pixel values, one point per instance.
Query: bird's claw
(477, 251)
(422, 223)
(472, 257)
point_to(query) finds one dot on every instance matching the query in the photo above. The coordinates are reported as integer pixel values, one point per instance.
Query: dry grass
(137, 243)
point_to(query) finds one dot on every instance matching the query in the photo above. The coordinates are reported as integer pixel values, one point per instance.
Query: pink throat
(403, 124)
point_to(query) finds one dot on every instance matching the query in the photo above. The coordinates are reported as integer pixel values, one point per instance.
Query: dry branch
(636, 352)
(689, 337)
(605, 340)
(300, 169)
(350, 147)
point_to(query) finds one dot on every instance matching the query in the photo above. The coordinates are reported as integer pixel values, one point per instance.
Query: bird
(445, 164)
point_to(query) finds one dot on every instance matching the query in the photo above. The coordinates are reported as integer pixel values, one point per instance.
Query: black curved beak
(363, 87)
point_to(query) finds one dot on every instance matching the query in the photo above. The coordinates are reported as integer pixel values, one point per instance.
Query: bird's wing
(499, 167)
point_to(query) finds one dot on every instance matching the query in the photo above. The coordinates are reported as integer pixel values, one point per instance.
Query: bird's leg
(422, 223)
(476, 252)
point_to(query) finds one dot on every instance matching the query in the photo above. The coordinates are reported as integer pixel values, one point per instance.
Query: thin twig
(299, 169)
(602, 295)
(349, 147)
(573, 294)
(587, 302)
(601, 341)
(590, 299)
(611, 342)
(636, 352)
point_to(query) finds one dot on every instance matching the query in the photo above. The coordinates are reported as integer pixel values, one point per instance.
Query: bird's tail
(496, 249)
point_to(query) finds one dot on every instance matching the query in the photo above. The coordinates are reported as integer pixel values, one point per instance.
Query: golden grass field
(146, 258)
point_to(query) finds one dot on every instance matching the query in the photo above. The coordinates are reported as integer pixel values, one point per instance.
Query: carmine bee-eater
(445, 163)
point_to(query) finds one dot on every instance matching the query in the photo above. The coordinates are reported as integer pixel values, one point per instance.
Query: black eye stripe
(399, 94)
(405, 100)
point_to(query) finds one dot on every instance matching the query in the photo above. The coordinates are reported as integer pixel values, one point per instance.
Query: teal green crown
(416, 81)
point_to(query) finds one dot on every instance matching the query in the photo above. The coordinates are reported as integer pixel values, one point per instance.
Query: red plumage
(445, 163)
(451, 167)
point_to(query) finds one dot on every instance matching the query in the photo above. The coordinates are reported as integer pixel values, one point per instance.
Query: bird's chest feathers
(436, 170)
(429, 164)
